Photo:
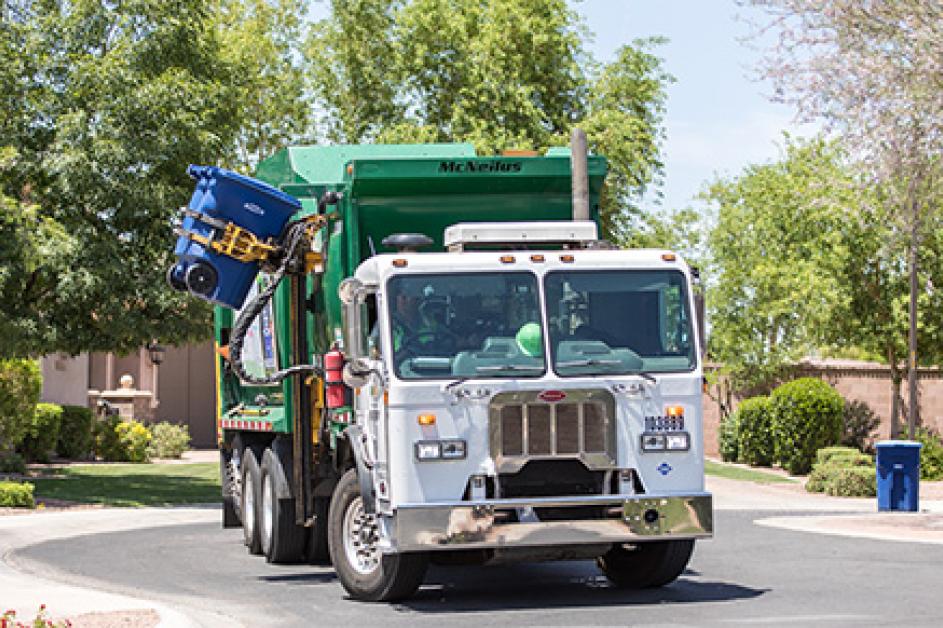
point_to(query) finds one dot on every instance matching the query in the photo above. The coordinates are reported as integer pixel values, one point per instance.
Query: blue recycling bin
(898, 475)
(219, 197)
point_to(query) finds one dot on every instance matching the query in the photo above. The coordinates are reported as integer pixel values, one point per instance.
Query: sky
(719, 119)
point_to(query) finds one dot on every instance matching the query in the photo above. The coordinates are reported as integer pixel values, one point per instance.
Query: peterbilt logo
(480, 166)
(552, 396)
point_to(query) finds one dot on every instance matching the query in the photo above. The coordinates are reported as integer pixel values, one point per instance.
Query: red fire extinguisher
(335, 390)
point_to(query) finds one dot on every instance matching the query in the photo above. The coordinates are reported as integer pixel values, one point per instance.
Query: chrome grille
(523, 427)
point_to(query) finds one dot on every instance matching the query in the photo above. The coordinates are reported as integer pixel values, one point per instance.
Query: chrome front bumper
(473, 525)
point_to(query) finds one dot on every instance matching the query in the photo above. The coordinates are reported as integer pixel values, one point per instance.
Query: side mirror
(352, 294)
(348, 290)
(699, 306)
(355, 374)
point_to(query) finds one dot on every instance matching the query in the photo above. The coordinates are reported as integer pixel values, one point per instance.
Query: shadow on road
(526, 586)
(308, 577)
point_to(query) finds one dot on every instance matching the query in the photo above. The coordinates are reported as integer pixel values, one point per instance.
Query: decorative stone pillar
(129, 402)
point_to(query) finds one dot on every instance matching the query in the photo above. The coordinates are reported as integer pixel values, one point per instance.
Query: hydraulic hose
(295, 234)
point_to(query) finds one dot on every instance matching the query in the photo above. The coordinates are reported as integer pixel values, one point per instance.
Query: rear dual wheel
(251, 500)
(281, 539)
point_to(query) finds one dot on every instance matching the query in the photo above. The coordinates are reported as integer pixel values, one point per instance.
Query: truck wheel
(251, 500)
(365, 572)
(231, 483)
(646, 565)
(283, 541)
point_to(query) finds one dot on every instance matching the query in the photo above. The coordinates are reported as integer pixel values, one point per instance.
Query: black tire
(318, 552)
(646, 565)
(231, 488)
(283, 541)
(251, 500)
(392, 577)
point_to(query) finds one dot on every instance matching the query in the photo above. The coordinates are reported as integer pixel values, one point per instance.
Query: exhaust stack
(578, 169)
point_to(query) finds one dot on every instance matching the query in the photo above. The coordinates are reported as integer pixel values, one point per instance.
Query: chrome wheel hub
(361, 534)
(248, 499)
(268, 510)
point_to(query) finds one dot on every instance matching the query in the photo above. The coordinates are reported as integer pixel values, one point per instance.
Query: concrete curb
(24, 592)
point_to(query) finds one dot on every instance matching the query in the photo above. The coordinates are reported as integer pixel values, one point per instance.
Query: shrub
(755, 435)
(16, 495)
(859, 423)
(168, 440)
(829, 467)
(852, 482)
(806, 416)
(12, 462)
(820, 476)
(121, 441)
(844, 456)
(931, 454)
(43, 432)
(75, 433)
(20, 386)
(729, 438)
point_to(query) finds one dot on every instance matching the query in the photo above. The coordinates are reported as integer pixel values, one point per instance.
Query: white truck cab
(530, 401)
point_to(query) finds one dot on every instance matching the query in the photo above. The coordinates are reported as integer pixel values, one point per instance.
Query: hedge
(755, 434)
(852, 482)
(43, 432)
(806, 416)
(117, 440)
(931, 454)
(20, 386)
(168, 440)
(729, 436)
(75, 433)
(16, 495)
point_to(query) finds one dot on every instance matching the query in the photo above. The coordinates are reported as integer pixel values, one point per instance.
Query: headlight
(440, 450)
(653, 442)
(428, 450)
(666, 441)
(453, 450)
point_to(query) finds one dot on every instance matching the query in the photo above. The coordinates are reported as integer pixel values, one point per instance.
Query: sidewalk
(858, 517)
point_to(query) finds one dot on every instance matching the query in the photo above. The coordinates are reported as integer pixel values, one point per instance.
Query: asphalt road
(746, 575)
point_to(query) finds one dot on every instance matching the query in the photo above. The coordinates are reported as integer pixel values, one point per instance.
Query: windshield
(619, 322)
(465, 325)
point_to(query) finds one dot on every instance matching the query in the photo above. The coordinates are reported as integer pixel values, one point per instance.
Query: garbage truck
(428, 355)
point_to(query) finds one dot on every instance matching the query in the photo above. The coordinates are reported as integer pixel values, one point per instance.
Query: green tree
(873, 71)
(874, 276)
(775, 252)
(507, 74)
(122, 97)
(261, 41)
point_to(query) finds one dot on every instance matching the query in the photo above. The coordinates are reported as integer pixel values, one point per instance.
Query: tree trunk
(895, 392)
(913, 402)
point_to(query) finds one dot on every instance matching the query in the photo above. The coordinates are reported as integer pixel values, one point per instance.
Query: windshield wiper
(508, 367)
(601, 362)
(590, 362)
(644, 375)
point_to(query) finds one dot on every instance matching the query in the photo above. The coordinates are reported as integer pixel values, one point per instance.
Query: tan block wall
(868, 383)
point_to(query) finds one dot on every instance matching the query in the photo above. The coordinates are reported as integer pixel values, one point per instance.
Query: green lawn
(733, 472)
(132, 484)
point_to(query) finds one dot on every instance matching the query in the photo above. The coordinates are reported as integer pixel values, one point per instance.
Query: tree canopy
(507, 74)
(873, 71)
(775, 253)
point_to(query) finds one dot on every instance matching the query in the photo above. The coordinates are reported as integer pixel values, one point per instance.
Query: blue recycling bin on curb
(221, 201)
(898, 475)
